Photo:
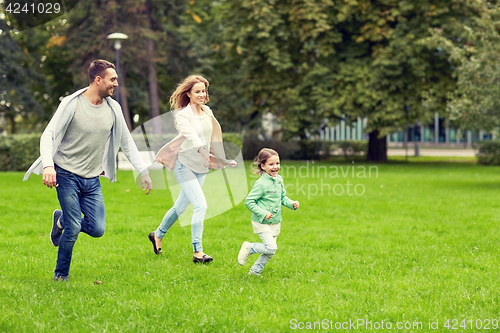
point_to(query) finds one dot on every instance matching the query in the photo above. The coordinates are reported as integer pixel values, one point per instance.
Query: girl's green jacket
(267, 195)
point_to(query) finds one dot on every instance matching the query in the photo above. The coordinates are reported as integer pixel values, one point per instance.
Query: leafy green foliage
(292, 150)
(275, 43)
(17, 79)
(351, 147)
(310, 61)
(474, 104)
(488, 152)
(18, 152)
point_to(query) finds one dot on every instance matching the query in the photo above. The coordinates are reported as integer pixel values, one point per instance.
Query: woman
(188, 154)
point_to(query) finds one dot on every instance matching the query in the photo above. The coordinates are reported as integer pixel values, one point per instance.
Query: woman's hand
(295, 204)
(268, 216)
(206, 157)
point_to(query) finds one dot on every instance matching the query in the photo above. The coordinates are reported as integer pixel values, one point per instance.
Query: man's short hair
(97, 68)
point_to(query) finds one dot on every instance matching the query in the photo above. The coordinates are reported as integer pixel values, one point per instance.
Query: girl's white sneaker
(244, 253)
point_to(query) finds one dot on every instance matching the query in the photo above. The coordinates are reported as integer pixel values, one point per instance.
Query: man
(81, 143)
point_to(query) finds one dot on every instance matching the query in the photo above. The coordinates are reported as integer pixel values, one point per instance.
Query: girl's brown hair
(261, 158)
(179, 98)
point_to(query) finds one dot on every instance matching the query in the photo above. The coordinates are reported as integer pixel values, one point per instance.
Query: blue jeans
(267, 249)
(77, 195)
(191, 192)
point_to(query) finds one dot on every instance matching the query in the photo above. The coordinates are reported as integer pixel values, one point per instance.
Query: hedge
(488, 152)
(18, 152)
(303, 149)
(292, 150)
(351, 147)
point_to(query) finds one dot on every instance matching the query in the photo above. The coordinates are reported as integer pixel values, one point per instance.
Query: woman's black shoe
(205, 259)
(152, 239)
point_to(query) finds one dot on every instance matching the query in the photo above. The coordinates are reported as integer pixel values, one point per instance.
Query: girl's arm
(251, 201)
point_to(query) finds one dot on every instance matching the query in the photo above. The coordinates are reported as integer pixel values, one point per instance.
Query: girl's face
(198, 94)
(272, 165)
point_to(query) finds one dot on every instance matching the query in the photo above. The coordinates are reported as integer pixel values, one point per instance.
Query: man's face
(108, 83)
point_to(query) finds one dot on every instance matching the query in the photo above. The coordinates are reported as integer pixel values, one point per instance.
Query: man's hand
(49, 177)
(146, 183)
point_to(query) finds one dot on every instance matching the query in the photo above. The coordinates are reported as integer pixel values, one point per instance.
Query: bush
(18, 152)
(292, 150)
(236, 144)
(350, 148)
(312, 150)
(252, 144)
(488, 152)
(154, 141)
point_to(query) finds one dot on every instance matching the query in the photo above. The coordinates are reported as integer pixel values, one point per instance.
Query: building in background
(437, 133)
(344, 132)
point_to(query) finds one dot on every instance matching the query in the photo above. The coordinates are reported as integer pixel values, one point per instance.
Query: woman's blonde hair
(261, 158)
(179, 98)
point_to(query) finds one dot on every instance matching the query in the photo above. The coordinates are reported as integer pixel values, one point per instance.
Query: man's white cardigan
(119, 138)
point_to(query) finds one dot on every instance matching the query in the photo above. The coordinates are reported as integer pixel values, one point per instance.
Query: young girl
(264, 201)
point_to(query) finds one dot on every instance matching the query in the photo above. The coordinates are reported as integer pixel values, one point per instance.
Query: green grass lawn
(418, 243)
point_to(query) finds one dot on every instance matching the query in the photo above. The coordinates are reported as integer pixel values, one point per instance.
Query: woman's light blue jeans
(191, 192)
(267, 249)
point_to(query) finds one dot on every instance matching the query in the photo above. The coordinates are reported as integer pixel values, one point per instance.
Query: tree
(153, 59)
(475, 103)
(17, 80)
(275, 43)
(203, 34)
(51, 61)
(386, 69)
(86, 39)
(308, 61)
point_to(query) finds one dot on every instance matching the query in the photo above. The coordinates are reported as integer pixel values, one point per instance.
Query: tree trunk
(303, 135)
(12, 121)
(153, 88)
(377, 148)
(152, 82)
